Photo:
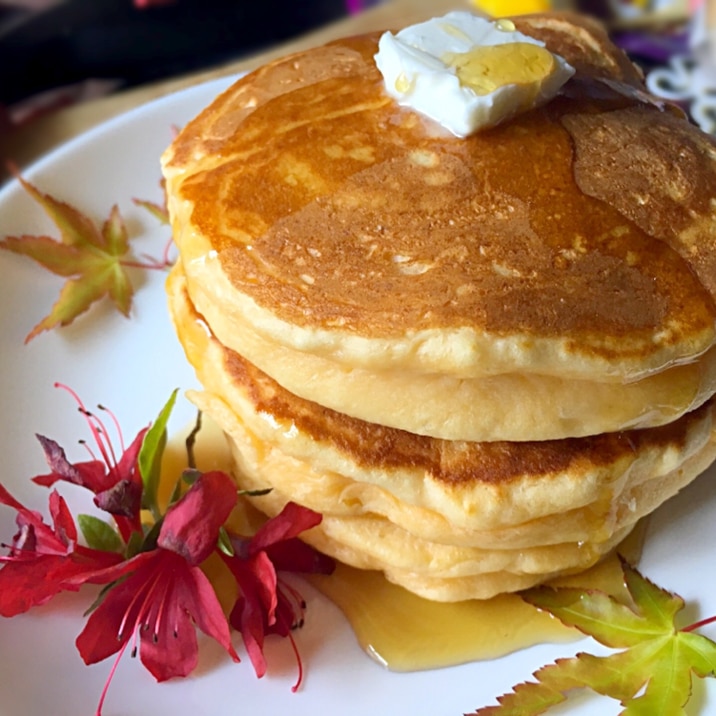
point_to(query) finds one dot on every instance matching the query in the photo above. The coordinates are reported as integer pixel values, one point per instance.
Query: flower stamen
(117, 427)
(299, 664)
(86, 446)
(112, 671)
(160, 613)
(139, 622)
(97, 428)
(298, 606)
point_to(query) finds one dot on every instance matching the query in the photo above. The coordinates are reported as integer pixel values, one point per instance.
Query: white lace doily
(691, 79)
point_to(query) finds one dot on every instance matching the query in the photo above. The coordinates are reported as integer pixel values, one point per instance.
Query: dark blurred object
(114, 39)
(651, 32)
(653, 48)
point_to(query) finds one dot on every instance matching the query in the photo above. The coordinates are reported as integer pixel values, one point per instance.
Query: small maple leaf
(158, 211)
(651, 675)
(89, 256)
(161, 213)
(93, 258)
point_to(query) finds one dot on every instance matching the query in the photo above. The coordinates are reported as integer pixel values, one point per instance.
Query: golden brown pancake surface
(342, 213)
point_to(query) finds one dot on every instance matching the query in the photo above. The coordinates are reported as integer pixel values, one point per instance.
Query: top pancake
(307, 203)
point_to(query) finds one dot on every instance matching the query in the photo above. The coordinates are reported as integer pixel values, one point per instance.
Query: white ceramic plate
(131, 365)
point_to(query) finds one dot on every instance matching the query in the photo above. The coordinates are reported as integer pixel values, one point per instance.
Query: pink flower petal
(191, 526)
(207, 612)
(290, 522)
(102, 635)
(112, 571)
(293, 555)
(34, 533)
(7, 499)
(190, 601)
(123, 499)
(127, 468)
(30, 582)
(256, 608)
(25, 584)
(90, 474)
(158, 604)
(62, 519)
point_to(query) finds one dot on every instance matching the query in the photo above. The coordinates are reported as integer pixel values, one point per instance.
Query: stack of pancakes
(482, 359)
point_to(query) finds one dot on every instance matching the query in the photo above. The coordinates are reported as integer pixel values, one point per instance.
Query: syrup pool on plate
(405, 632)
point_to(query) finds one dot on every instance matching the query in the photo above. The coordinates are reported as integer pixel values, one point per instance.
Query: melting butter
(467, 72)
(485, 69)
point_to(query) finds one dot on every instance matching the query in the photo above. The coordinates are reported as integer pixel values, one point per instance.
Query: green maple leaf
(651, 676)
(90, 257)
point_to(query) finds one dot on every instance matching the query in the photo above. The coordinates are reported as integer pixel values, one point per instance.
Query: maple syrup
(398, 629)
(404, 632)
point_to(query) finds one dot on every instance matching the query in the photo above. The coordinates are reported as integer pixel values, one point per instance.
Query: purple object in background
(355, 6)
(653, 47)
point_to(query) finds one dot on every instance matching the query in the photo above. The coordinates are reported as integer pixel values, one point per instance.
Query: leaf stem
(699, 624)
(151, 263)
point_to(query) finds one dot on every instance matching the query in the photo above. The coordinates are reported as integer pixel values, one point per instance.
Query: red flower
(116, 483)
(162, 594)
(45, 560)
(156, 594)
(267, 605)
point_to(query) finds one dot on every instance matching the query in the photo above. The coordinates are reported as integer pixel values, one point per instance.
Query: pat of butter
(469, 73)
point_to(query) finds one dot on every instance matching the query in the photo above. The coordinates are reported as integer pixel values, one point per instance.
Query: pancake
(293, 200)
(481, 359)
(449, 520)
(511, 406)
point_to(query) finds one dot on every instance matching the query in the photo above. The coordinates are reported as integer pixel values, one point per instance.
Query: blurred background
(54, 53)
(112, 44)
